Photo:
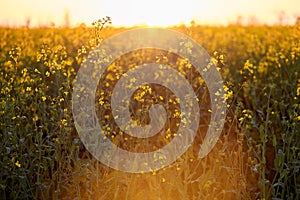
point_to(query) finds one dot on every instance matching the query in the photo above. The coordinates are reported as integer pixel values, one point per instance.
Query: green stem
(264, 162)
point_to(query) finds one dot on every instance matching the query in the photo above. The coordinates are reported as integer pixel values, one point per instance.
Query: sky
(147, 12)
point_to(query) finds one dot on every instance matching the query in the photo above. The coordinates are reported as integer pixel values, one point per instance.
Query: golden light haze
(149, 12)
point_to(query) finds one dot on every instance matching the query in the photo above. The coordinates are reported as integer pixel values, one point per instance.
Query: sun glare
(144, 12)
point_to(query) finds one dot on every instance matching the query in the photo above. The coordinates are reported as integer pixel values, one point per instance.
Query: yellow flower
(35, 118)
(56, 140)
(225, 88)
(228, 95)
(47, 73)
(44, 98)
(18, 164)
(298, 118)
(132, 80)
(64, 122)
(28, 89)
(249, 66)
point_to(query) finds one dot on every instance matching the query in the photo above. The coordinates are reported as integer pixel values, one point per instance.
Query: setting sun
(157, 12)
